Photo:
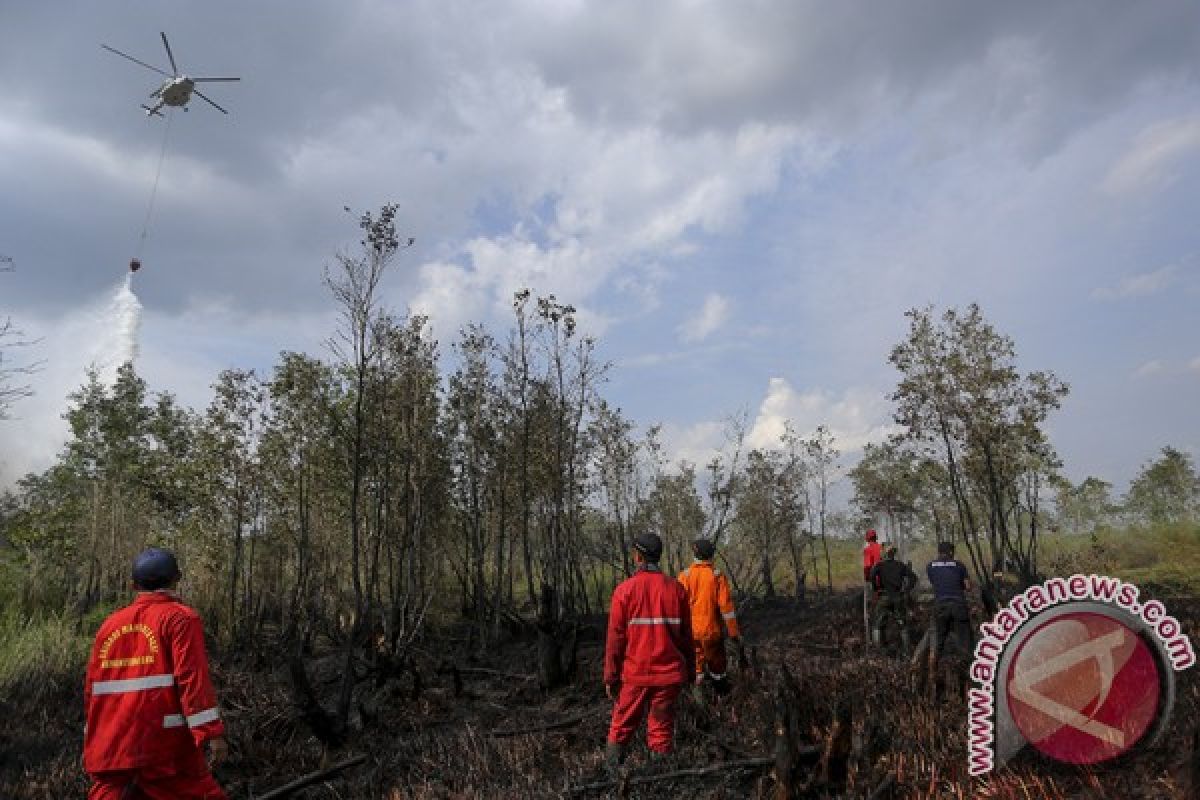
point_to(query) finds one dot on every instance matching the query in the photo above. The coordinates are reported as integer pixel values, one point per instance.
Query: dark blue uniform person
(950, 585)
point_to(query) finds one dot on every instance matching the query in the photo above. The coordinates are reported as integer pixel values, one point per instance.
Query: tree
(228, 451)
(1084, 507)
(962, 403)
(297, 451)
(886, 483)
(675, 510)
(1166, 490)
(12, 373)
(473, 433)
(358, 345)
(822, 458)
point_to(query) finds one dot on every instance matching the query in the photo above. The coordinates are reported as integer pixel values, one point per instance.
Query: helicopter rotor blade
(170, 55)
(202, 80)
(207, 100)
(134, 60)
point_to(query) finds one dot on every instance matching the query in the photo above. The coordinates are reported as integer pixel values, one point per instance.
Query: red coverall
(712, 604)
(150, 705)
(650, 653)
(872, 555)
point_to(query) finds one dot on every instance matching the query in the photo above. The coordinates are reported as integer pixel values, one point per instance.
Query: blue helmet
(649, 545)
(155, 568)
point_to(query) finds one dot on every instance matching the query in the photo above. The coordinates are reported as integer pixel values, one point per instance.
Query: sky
(741, 199)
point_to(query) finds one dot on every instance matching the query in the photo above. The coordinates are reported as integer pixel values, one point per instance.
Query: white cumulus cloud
(711, 316)
(855, 418)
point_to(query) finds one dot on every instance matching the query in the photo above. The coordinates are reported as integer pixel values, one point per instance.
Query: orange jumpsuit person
(713, 614)
(150, 705)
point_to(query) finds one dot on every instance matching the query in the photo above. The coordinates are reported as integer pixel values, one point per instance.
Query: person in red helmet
(872, 555)
(149, 704)
(649, 654)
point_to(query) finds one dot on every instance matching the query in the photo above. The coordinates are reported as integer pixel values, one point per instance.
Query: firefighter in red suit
(872, 554)
(649, 655)
(150, 705)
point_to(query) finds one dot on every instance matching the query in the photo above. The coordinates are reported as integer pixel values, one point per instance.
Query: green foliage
(1166, 490)
(1085, 507)
(1163, 555)
(39, 656)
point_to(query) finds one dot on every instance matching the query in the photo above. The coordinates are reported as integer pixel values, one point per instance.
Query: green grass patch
(1158, 555)
(39, 656)
(1164, 556)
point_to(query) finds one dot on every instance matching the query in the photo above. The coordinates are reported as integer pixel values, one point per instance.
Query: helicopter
(177, 89)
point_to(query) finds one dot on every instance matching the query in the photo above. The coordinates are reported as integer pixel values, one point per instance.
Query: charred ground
(449, 721)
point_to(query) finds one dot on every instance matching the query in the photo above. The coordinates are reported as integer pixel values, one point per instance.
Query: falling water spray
(125, 318)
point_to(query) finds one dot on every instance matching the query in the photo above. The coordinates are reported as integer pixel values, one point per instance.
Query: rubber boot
(660, 761)
(614, 755)
(877, 637)
(905, 641)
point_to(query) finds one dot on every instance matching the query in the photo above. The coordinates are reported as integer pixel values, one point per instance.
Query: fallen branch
(550, 726)
(311, 778)
(726, 766)
(883, 786)
(728, 748)
(495, 673)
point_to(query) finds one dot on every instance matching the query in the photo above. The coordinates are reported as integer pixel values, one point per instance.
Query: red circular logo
(1083, 688)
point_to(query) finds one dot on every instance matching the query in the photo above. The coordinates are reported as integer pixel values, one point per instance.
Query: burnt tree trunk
(323, 725)
(551, 674)
(787, 736)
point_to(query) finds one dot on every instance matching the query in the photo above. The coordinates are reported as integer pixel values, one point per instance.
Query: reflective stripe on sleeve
(192, 720)
(133, 684)
(655, 621)
(201, 717)
(729, 615)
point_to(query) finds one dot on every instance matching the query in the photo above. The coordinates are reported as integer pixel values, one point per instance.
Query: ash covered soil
(858, 724)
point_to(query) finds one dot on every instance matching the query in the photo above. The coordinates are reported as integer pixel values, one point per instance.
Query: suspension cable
(162, 155)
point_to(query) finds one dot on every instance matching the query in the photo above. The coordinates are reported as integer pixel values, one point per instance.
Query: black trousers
(891, 605)
(952, 616)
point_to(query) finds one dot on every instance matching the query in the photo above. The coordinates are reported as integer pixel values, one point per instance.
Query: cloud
(1152, 367)
(1140, 285)
(711, 316)
(628, 157)
(1153, 159)
(856, 418)
(697, 444)
(1158, 366)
